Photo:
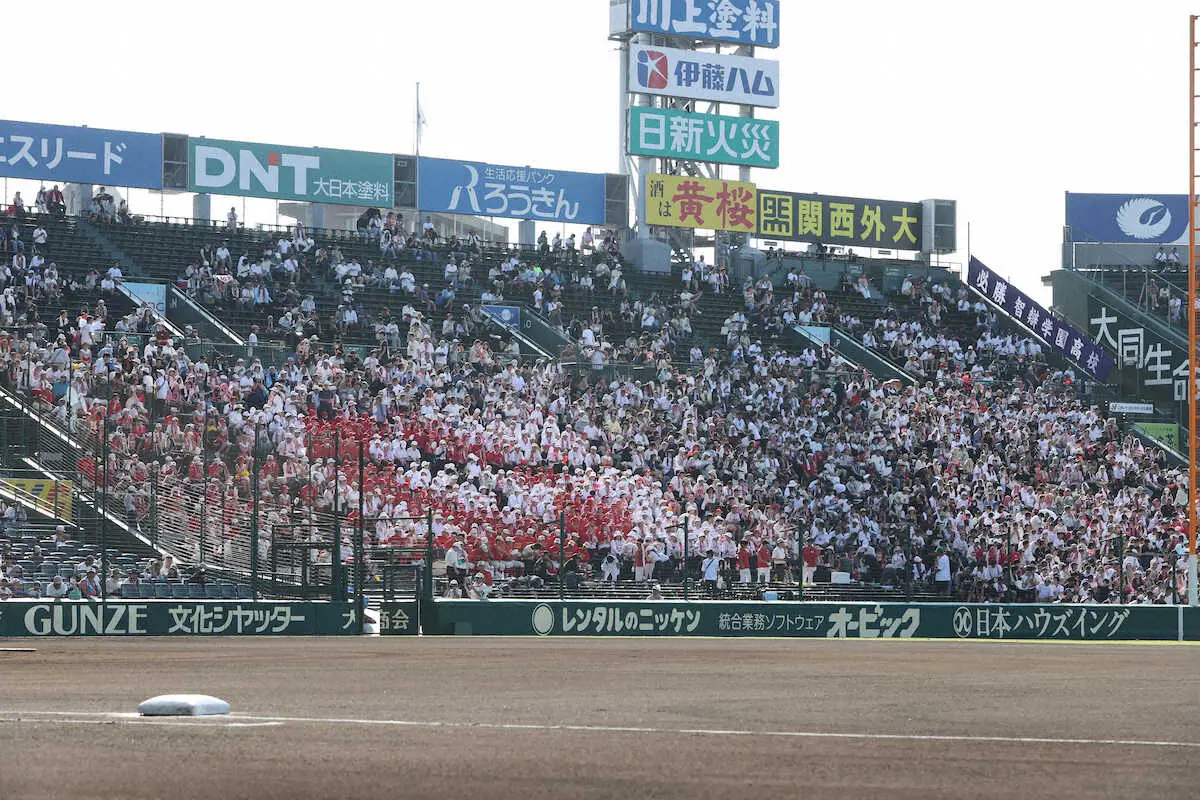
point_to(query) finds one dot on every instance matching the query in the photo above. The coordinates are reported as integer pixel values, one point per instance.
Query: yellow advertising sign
(684, 202)
(49, 497)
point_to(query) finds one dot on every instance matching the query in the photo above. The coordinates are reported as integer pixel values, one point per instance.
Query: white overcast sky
(1002, 107)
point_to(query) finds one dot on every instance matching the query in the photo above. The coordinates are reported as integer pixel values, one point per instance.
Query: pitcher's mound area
(625, 718)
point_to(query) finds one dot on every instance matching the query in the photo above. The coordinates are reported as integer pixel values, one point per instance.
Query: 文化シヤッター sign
(275, 172)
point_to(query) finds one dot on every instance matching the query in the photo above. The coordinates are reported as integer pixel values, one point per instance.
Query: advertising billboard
(275, 172)
(680, 201)
(1156, 365)
(1060, 336)
(70, 154)
(744, 22)
(845, 221)
(666, 133)
(492, 190)
(713, 77)
(1128, 218)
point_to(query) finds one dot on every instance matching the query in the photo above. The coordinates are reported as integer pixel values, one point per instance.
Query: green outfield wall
(804, 620)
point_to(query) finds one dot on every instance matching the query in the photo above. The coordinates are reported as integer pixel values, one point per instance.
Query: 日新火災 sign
(681, 201)
(845, 221)
(747, 22)
(70, 154)
(311, 174)
(666, 133)
(713, 77)
(493, 190)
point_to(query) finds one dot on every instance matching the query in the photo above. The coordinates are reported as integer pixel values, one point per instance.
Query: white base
(183, 705)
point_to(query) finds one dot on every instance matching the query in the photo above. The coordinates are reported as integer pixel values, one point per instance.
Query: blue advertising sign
(1128, 218)
(509, 316)
(1064, 339)
(68, 154)
(752, 22)
(491, 190)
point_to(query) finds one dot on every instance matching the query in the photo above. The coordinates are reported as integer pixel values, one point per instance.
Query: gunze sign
(312, 174)
(170, 618)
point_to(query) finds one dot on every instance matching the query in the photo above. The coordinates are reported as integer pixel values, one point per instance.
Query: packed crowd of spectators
(986, 480)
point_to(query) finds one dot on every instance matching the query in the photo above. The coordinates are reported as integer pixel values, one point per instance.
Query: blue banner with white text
(492, 190)
(752, 22)
(69, 154)
(1061, 337)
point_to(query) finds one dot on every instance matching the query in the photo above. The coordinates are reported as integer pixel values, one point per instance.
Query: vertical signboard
(680, 201)
(68, 154)
(713, 77)
(666, 133)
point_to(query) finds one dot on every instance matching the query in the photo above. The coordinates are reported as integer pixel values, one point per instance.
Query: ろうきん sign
(472, 187)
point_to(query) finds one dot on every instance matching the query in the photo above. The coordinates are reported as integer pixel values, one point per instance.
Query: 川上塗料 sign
(666, 133)
(312, 174)
(848, 221)
(752, 22)
(714, 77)
(492, 190)
(681, 201)
(70, 154)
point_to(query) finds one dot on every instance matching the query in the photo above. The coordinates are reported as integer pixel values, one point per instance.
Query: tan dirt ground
(757, 688)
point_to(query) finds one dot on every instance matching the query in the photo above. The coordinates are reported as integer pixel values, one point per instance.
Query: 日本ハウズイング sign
(847, 221)
(1128, 218)
(275, 172)
(685, 202)
(1062, 337)
(717, 78)
(666, 133)
(752, 22)
(492, 190)
(69, 154)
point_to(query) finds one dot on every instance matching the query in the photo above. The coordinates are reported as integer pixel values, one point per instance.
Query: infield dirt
(712, 718)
